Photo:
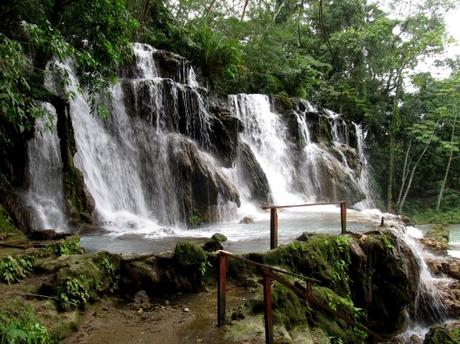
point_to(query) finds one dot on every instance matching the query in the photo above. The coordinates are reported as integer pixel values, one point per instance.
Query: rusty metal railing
(274, 218)
(269, 274)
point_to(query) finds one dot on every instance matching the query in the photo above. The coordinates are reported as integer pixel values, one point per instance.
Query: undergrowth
(19, 326)
(14, 269)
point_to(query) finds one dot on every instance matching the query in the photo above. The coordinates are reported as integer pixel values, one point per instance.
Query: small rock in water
(186, 310)
(247, 220)
(219, 237)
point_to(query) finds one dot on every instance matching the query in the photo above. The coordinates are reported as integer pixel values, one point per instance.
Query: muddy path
(180, 319)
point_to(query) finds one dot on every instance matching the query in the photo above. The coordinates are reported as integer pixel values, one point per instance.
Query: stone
(439, 335)
(250, 171)
(212, 245)
(219, 237)
(201, 187)
(48, 234)
(247, 220)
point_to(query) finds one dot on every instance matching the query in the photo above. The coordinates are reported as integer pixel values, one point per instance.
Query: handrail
(268, 267)
(299, 205)
(269, 274)
(274, 218)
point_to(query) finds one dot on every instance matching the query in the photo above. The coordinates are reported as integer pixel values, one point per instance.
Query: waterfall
(155, 160)
(266, 134)
(46, 194)
(299, 169)
(364, 177)
(130, 160)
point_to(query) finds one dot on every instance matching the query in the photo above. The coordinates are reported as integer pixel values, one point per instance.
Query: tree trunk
(391, 161)
(391, 153)
(449, 161)
(414, 168)
(405, 173)
(244, 9)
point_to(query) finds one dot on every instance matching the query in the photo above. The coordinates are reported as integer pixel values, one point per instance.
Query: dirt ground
(180, 319)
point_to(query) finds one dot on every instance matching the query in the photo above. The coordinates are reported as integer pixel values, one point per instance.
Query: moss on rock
(439, 335)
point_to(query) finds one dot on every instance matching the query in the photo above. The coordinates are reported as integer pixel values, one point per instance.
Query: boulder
(225, 129)
(219, 237)
(439, 335)
(202, 188)
(377, 271)
(48, 234)
(251, 172)
(247, 220)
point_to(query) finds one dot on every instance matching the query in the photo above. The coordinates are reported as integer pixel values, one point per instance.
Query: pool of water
(254, 237)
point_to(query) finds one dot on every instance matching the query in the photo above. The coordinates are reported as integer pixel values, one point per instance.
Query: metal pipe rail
(274, 218)
(269, 274)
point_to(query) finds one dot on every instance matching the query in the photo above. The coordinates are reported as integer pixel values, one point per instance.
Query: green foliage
(20, 326)
(388, 243)
(194, 260)
(6, 225)
(72, 292)
(68, 246)
(195, 218)
(14, 269)
(96, 35)
(189, 254)
(111, 271)
(422, 211)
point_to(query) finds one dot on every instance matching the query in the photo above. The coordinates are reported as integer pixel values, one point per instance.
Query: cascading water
(429, 306)
(266, 134)
(129, 161)
(45, 193)
(147, 166)
(364, 177)
(296, 171)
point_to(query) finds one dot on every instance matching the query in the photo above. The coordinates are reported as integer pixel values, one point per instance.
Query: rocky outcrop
(440, 335)
(78, 201)
(225, 129)
(376, 272)
(202, 189)
(251, 172)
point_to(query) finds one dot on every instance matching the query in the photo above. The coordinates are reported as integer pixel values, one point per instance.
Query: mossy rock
(439, 335)
(80, 279)
(287, 309)
(219, 237)
(189, 253)
(324, 257)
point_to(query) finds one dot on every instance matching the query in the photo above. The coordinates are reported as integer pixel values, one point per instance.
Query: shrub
(14, 269)
(21, 327)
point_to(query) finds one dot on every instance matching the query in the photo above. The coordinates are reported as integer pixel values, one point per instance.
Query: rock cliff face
(169, 155)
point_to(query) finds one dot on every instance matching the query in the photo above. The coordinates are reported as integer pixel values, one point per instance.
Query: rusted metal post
(267, 284)
(343, 216)
(309, 290)
(273, 228)
(221, 289)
